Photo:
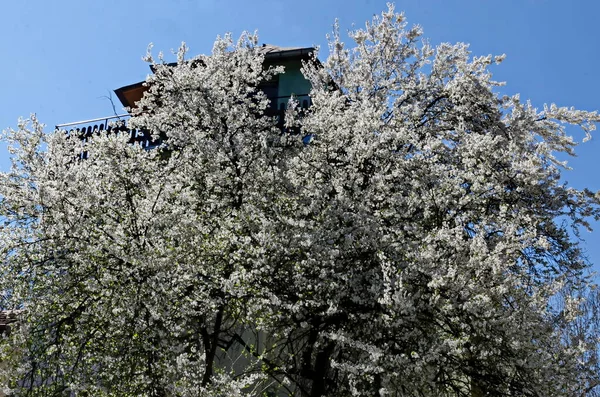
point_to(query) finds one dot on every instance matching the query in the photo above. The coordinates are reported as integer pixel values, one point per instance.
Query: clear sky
(61, 58)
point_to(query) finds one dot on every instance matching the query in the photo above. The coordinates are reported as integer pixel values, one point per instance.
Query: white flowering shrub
(412, 246)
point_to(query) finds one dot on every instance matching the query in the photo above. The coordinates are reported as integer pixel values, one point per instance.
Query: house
(279, 90)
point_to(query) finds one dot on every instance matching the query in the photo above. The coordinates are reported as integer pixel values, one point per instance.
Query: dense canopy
(408, 235)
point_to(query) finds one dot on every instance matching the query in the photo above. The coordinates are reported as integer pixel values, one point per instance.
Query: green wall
(292, 82)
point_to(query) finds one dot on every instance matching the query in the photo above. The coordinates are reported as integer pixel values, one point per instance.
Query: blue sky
(61, 58)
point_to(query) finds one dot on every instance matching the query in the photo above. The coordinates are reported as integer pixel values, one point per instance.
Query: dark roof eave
(295, 53)
(121, 93)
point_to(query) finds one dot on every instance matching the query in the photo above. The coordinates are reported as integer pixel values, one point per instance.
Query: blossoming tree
(405, 236)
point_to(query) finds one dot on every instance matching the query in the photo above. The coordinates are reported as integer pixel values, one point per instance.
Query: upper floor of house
(278, 90)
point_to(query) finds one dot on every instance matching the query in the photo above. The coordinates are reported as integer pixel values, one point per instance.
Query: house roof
(130, 94)
(273, 51)
(276, 48)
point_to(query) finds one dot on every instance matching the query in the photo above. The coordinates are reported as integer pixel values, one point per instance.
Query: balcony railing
(279, 105)
(85, 129)
(117, 124)
(280, 102)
